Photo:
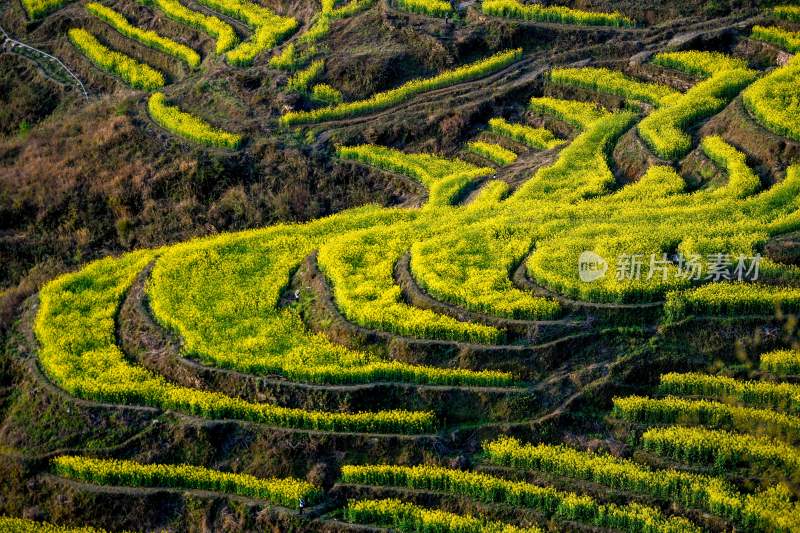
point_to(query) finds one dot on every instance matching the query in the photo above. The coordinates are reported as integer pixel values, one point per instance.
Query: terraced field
(584, 321)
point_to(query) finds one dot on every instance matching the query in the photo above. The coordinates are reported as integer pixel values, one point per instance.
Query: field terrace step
(516, 358)
(144, 340)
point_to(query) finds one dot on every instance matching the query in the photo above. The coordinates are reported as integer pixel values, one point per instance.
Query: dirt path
(43, 60)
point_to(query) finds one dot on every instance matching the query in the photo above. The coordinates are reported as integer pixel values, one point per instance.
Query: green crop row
(187, 126)
(435, 8)
(706, 413)
(493, 152)
(789, 40)
(775, 100)
(37, 9)
(76, 331)
(403, 516)
(557, 14)
(136, 74)
(540, 138)
(409, 89)
(221, 31)
(760, 394)
(664, 129)
(286, 492)
(550, 502)
(781, 362)
(148, 38)
(610, 81)
(720, 449)
(710, 494)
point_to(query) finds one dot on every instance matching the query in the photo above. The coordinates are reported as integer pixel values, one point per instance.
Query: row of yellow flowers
(136, 74)
(539, 138)
(39, 8)
(664, 129)
(493, 152)
(205, 292)
(435, 8)
(693, 491)
(221, 31)
(404, 516)
(24, 525)
(552, 503)
(281, 491)
(614, 82)
(75, 328)
(763, 394)
(392, 97)
(781, 362)
(187, 126)
(790, 40)
(672, 410)
(148, 38)
(268, 28)
(721, 449)
(773, 100)
(553, 13)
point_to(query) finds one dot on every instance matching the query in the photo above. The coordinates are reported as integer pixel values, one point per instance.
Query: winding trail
(10, 44)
